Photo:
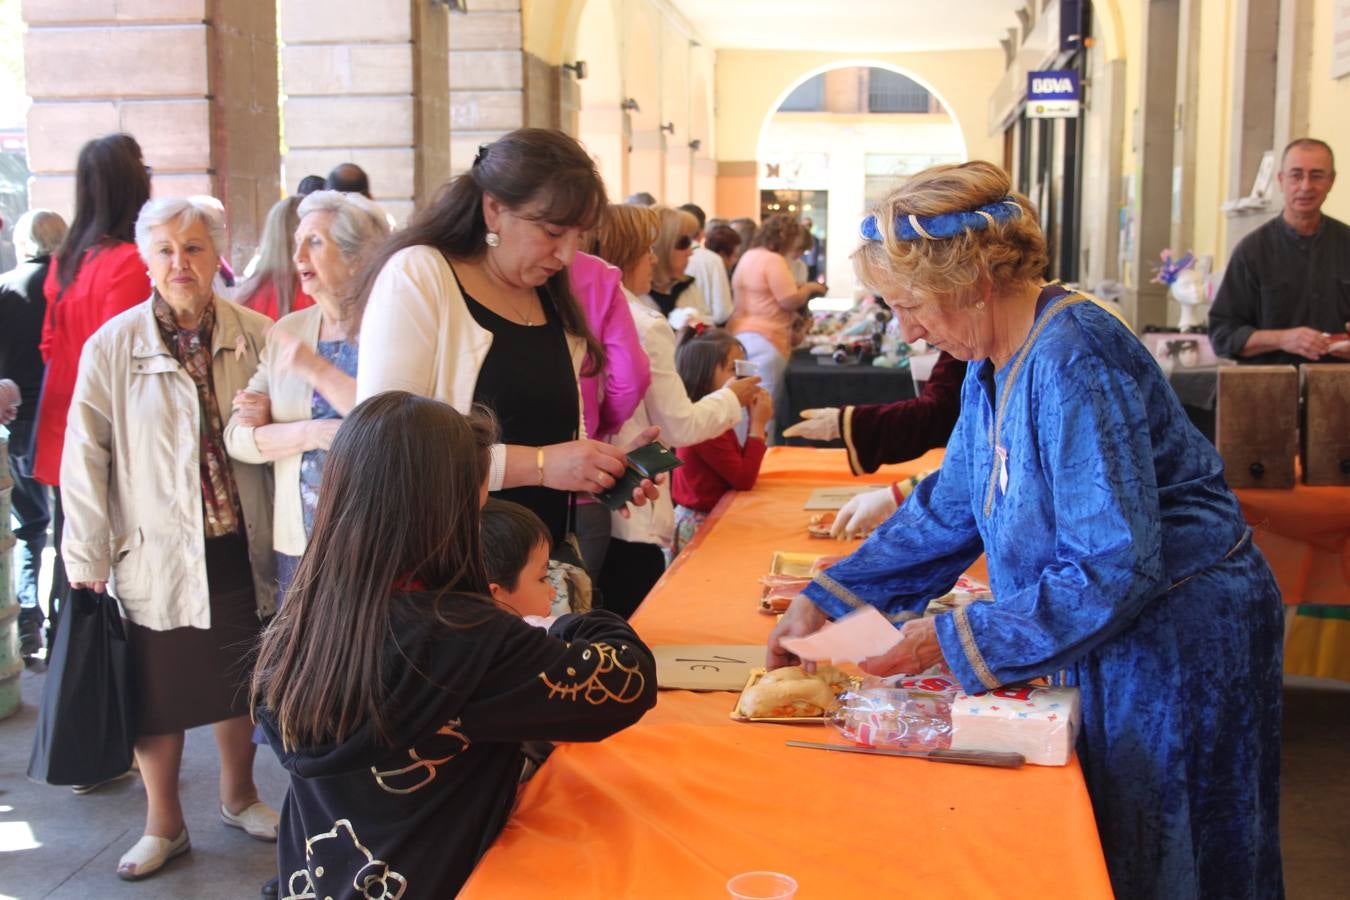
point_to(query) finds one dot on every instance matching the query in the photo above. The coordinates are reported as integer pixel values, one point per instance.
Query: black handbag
(86, 726)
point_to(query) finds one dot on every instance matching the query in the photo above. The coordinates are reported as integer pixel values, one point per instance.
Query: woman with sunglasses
(672, 289)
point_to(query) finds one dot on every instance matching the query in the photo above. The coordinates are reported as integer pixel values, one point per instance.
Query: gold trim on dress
(1055, 309)
(972, 651)
(838, 591)
(846, 432)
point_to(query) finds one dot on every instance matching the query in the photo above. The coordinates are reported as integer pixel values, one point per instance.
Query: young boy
(516, 545)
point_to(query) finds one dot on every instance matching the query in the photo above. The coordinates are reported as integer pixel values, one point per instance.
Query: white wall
(847, 140)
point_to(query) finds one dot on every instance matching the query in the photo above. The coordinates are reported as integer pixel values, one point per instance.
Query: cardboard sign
(706, 667)
(835, 497)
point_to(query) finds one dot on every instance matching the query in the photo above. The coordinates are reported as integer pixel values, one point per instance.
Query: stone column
(194, 81)
(487, 77)
(1146, 302)
(366, 82)
(1293, 71)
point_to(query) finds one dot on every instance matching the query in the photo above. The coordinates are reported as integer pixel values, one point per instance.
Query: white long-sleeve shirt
(683, 422)
(710, 274)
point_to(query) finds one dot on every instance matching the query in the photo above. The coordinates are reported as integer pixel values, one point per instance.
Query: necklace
(522, 315)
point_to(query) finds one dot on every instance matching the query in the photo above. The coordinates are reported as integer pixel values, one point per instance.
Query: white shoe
(148, 855)
(258, 820)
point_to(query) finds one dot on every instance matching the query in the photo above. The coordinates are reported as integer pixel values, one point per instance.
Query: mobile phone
(745, 368)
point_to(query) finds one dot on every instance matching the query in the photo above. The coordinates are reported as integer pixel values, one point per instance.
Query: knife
(997, 758)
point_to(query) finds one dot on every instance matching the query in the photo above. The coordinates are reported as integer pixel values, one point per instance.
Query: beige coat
(130, 473)
(291, 398)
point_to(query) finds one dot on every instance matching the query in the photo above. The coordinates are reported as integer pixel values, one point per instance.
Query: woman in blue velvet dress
(1118, 557)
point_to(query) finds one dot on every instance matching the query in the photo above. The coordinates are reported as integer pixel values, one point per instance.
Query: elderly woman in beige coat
(156, 510)
(306, 381)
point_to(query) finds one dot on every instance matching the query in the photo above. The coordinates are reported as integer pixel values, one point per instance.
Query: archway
(838, 138)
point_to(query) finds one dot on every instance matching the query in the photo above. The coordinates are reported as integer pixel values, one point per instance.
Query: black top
(528, 381)
(365, 819)
(22, 307)
(1278, 278)
(666, 302)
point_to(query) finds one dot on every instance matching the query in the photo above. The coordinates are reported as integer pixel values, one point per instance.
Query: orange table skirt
(676, 805)
(1305, 535)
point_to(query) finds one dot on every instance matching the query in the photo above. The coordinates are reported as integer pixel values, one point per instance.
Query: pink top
(609, 399)
(762, 279)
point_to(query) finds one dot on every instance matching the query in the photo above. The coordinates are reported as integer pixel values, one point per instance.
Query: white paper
(857, 636)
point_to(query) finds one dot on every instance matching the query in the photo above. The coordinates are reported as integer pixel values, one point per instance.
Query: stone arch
(857, 63)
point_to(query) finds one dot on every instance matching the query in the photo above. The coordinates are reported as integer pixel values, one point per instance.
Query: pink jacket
(610, 398)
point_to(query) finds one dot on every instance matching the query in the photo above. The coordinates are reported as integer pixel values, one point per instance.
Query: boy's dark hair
(701, 351)
(697, 212)
(510, 534)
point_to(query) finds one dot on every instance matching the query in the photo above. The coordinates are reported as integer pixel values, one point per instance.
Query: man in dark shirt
(22, 306)
(1285, 297)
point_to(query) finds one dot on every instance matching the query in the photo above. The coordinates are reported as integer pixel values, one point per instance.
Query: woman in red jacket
(97, 274)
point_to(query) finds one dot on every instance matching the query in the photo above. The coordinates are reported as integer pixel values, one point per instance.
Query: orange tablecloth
(1305, 535)
(687, 798)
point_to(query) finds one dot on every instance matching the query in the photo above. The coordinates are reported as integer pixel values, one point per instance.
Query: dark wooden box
(1326, 429)
(1256, 425)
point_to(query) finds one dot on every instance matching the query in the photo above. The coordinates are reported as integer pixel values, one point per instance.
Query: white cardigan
(292, 398)
(417, 335)
(683, 423)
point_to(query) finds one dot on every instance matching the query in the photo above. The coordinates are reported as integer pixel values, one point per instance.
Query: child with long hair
(706, 360)
(393, 688)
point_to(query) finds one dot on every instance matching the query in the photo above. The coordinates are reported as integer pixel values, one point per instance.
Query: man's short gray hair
(358, 222)
(184, 211)
(38, 233)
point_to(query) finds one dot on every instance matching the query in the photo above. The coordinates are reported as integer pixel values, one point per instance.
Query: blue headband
(946, 225)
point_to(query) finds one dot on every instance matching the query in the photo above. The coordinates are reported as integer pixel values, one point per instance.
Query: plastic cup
(762, 886)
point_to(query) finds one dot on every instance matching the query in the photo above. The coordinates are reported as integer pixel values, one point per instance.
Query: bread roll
(788, 697)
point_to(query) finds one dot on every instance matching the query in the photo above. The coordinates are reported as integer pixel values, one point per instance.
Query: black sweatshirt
(364, 820)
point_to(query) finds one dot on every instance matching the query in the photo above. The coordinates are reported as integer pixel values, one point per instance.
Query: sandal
(148, 855)
(258, 820)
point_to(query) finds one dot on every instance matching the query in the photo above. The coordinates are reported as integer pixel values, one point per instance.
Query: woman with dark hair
(393, 688)
(767, 299)
(471, 303)
(273, 287)
(726, 243)
(96, 274)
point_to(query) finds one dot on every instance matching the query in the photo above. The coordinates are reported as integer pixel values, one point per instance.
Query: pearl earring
(492, 239)
(979, 304)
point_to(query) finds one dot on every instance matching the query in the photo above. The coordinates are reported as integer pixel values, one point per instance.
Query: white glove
(864, 512)
(816, 425)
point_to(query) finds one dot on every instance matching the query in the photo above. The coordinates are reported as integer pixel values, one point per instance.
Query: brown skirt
(196, 676)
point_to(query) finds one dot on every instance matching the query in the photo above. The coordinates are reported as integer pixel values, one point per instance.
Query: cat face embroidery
(424, 759)
(339, 866)
(605, 674)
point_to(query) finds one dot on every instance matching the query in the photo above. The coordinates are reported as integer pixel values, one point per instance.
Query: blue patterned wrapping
(946, 225)
(1120, 563)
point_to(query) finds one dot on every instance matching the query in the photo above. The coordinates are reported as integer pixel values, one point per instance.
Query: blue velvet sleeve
(917, 553)
(1095, 457)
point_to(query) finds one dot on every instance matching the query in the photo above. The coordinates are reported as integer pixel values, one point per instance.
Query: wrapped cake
(1041, 723)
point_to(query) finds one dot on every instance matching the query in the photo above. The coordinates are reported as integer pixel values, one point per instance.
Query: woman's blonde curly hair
(950, 271)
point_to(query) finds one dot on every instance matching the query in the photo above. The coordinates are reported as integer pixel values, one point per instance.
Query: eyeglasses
(683, 242)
